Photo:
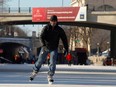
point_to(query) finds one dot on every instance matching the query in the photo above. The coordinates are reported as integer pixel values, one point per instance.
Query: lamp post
(97, 49)
(18, 3)
(2, 2)
(19, 6)
(104, 7)
(108, 43)
(62, 3)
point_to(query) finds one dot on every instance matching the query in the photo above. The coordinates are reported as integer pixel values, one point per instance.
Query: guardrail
(15, 10)
(29, 9)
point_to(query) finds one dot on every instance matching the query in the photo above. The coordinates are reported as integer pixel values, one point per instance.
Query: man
(50, 36)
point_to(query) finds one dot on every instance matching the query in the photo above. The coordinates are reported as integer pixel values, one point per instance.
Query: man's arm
(42, 36)
(64, 40)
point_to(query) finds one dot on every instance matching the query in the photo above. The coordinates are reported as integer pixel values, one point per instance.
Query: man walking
(50, 36)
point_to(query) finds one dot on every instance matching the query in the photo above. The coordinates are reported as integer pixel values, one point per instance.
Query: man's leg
(41, 58)
(39, 62)
(52, 65)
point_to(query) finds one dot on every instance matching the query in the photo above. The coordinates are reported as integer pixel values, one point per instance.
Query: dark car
(107, 62)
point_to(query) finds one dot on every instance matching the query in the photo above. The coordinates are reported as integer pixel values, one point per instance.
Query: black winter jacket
(50, 37)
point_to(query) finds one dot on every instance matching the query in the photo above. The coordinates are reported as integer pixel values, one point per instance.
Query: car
(108, 62)
(106, 53)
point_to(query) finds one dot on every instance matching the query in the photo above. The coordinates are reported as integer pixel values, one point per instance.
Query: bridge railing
(106, 8)
(29, 9)
(15, 10)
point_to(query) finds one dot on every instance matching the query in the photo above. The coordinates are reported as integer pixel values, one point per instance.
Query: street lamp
(108, 43)
(19, 6)
(18, 3)
(62, 3)
(104, 7)
(97, 49)
(2, 4)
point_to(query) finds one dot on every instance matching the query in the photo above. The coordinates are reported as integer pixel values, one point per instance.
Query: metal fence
(29, 9)
(15, 10)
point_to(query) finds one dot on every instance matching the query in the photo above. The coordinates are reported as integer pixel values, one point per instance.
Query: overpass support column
(113, 44)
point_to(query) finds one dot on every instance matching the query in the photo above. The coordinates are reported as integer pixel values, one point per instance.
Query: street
(75, 75)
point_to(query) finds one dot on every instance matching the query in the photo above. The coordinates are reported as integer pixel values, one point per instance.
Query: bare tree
(20, 32)
(12, 31)
(87, 37)
(102, 37)
(27, 31)
(72, 35)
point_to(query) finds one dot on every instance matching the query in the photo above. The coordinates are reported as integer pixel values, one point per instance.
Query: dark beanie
(53, 18)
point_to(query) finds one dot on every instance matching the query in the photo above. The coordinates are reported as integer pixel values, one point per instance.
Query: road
(74, 76)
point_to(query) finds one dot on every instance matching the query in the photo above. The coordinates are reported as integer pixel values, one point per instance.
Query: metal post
(97, 49)
(18, 3)
(19, 6)
(9, 10)
(2, 6)
(29, 9)
(108, 49)
(108, 43)
(62, 3)
(104, 7)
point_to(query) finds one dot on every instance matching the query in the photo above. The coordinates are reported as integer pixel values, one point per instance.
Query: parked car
(106, 53)
(108, 62)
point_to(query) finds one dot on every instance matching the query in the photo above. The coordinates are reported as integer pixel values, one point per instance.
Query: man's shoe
(50, 79)
(34, 73)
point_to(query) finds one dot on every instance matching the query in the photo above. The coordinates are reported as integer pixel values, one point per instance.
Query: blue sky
(36, 3)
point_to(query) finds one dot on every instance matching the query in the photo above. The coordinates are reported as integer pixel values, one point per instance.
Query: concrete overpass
(95, 19)
(107, 17)
(24, 41)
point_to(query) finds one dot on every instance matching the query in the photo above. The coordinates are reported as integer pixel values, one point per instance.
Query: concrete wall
(98, 3)
(102, 17)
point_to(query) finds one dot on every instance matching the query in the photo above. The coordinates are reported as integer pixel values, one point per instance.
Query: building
(99, 5)
(92, 5)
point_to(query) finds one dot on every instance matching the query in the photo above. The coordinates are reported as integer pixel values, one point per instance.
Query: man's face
(53, 23)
